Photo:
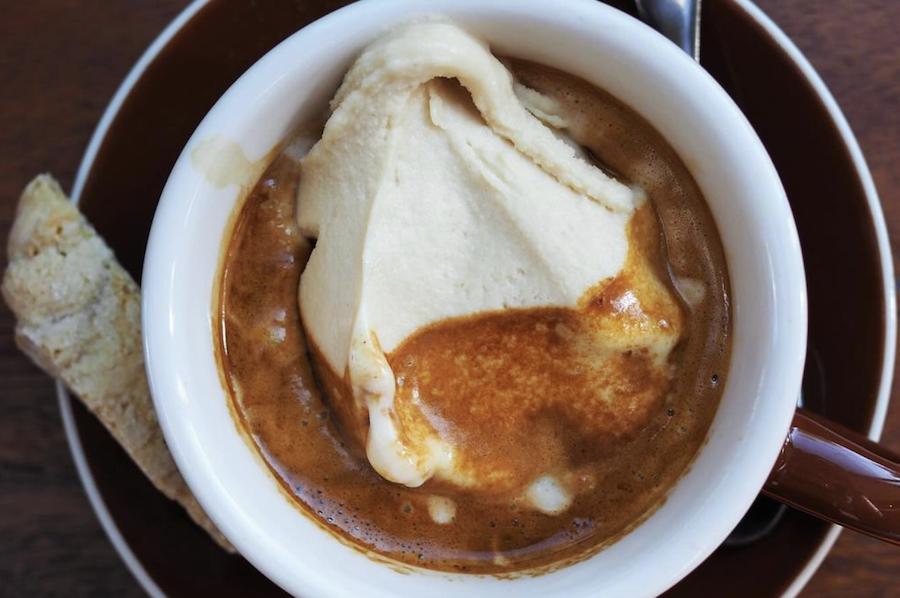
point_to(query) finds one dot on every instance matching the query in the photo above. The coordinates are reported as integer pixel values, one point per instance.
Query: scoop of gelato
(437, 195)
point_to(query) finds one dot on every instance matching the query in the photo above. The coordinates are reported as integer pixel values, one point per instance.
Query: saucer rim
(885, 255)
(754, 13)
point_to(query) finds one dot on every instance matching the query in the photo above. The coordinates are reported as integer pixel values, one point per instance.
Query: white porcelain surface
(640, 67)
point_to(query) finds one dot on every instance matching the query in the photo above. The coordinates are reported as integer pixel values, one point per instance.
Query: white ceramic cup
(603, 46)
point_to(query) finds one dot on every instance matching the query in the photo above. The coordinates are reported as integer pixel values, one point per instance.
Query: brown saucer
(212, 43)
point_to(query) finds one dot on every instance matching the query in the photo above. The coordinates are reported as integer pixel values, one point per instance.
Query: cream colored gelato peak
(435, 193)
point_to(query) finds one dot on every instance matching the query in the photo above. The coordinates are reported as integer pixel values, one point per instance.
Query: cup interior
(587, 39)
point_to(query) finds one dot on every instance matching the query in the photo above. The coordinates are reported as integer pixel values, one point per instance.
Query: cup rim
(170, 383)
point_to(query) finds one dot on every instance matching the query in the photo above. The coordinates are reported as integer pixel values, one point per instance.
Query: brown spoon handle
(838, 475)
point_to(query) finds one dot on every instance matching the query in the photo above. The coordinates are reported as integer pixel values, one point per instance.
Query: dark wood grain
(60, 63)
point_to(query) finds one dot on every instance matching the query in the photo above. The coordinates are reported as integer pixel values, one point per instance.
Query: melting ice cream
(474, 278)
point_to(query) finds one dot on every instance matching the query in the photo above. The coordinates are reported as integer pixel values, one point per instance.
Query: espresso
(621, 457)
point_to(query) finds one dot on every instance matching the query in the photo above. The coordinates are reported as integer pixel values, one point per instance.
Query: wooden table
(60, 63)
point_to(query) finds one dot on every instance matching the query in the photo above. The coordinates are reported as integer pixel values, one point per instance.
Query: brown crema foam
(622, 467)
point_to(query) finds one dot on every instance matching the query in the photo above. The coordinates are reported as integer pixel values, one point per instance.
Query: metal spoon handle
(678, 20)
